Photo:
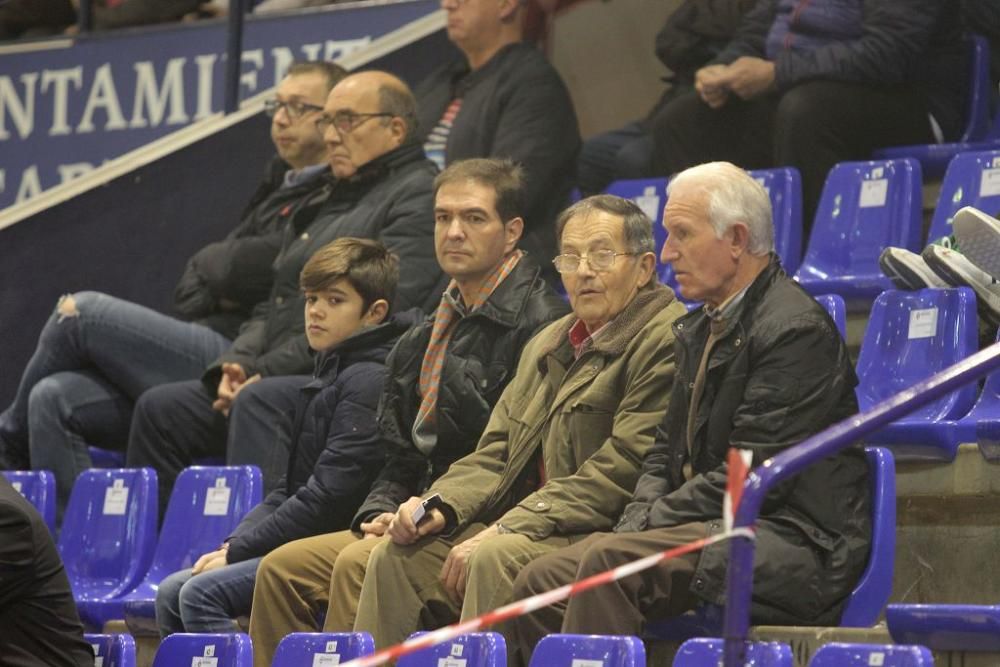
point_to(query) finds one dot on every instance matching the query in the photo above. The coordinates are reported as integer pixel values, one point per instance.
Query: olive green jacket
(594, 418)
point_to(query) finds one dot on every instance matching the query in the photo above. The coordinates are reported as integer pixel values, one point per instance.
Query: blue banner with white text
(65, 110)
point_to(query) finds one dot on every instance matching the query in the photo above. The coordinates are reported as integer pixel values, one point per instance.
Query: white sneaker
(955, 269)
(908, 270)
(978, 236)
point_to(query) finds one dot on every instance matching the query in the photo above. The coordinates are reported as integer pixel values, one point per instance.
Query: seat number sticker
(923, 323)
(876, 659)
(217, 499)
(578, 662)
(325, 659)
(989, 183)
(116, 498)
(873, 193)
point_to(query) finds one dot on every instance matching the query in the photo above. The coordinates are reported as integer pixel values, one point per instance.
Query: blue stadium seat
(911, 336)
(650, 194)
(784, 186)
(322, 648)
(105, 458)
(39, 488)
(476, 649)
(206, 504)
(946, 627)
(978, 132)
(962, 186)
(112, 650)
(609, 651)
(198, 650)
(865, 655)
(871, 592)
(704, 652)
(835, 306)
(112, 458)
(865, 207)
(107, 538)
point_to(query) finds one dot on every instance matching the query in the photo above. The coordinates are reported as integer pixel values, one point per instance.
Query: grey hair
(733, 196)
(638, 229)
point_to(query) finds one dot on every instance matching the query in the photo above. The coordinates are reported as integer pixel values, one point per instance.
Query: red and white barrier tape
(739, 465)
(528, 605)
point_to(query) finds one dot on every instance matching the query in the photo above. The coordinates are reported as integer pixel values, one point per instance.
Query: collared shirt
(727, 307)
(581, 339)
(295, 177)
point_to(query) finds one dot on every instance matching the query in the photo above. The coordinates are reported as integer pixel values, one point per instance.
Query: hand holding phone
(423, 510)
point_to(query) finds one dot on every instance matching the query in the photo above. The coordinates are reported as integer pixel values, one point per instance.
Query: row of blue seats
(488, 649)
(115, 562)
(109, 543)
(865, 207)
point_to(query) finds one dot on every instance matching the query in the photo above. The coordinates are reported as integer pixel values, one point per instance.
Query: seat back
(865, 207)
(476, 649)
(603, 650)
(649, 194)
(105, 458)
(912, 335)
(835, 306)
(39, 488)
(784, 187)
(205, 650)
(322, 648)
(972, 179)
(112, 650)
(704, 652)
(871, 593)
(979, 100)
(206, 504)
(109, 530)
(864, 655)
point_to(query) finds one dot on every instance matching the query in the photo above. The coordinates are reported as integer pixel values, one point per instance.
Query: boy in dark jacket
(334, 455)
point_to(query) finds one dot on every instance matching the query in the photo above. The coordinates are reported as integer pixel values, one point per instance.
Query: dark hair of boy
(504, 176)
(367, 265)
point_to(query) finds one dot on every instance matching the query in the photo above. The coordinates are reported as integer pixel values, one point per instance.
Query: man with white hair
(762, 367)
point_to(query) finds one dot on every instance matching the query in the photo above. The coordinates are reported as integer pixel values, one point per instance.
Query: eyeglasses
(599, 260)
(346, 121)
(295, 110)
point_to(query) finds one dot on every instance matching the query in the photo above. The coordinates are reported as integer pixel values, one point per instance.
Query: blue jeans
(92, 362)
(623, 153)
(208, 602)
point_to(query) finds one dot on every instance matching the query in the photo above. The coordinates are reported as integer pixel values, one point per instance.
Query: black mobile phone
(428, 504)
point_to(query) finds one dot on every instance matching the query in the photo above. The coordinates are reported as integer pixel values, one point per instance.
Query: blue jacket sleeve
(340, 479)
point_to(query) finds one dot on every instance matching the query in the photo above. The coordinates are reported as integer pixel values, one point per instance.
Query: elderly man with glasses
(561, 452)
(760, 367)
(381, 188)
(97, 354)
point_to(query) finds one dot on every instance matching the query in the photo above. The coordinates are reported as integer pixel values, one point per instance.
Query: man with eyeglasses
(444, 377)
(761, 367)
(501, 98)
(97, 353)
(381, 188)
(560, 455)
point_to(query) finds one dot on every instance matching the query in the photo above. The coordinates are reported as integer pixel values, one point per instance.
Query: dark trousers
(616, 608)
(811, 127)
(174, 424)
